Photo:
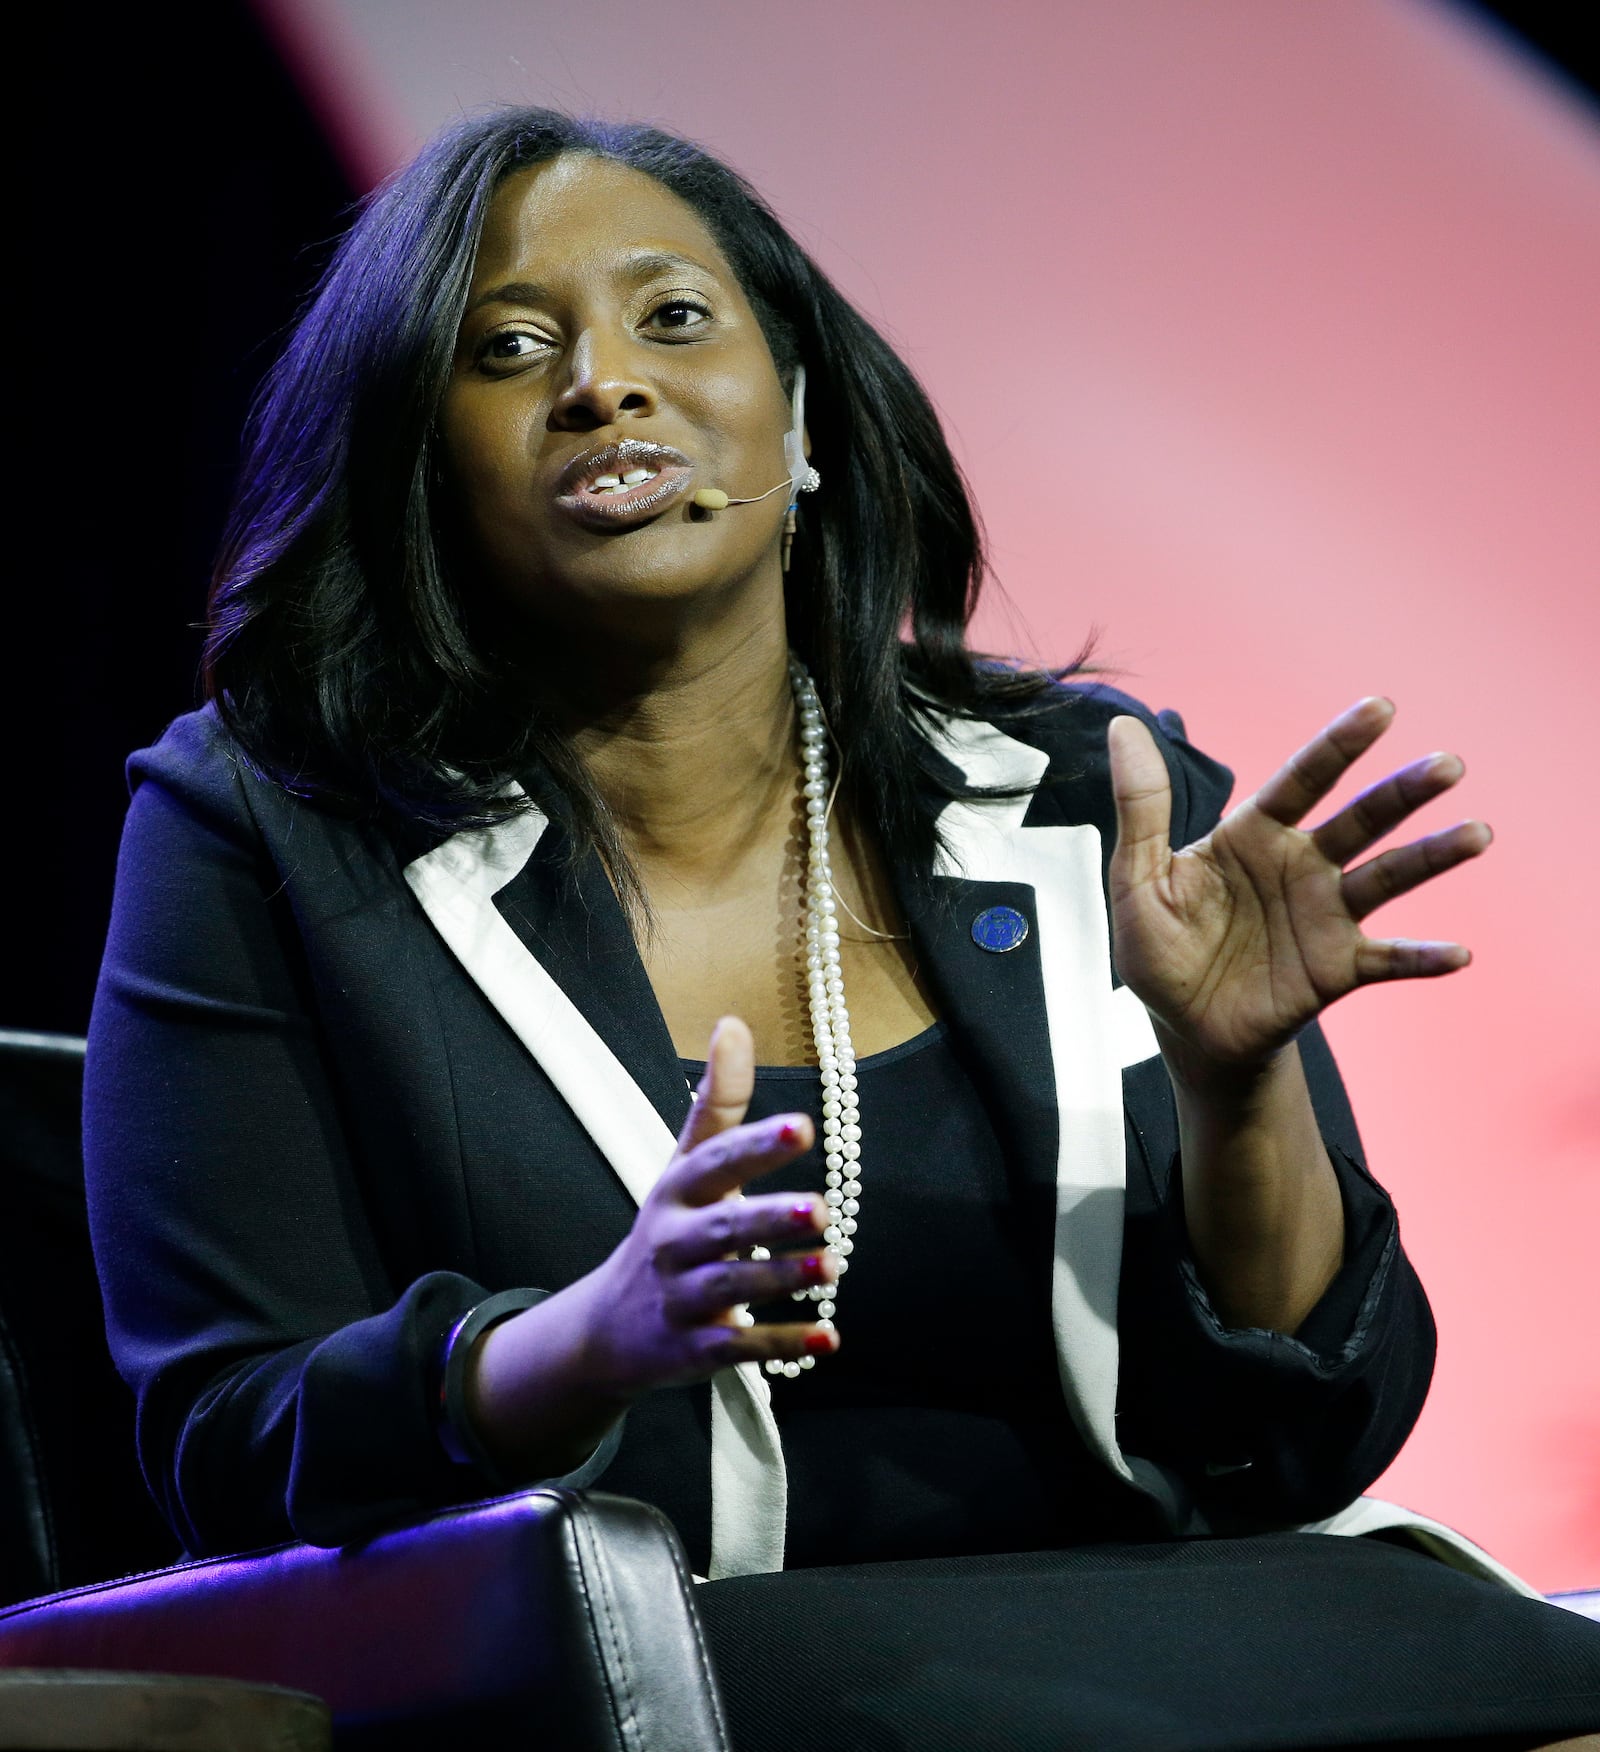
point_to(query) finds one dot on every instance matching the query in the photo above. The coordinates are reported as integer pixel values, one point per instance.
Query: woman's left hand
(1236, 942)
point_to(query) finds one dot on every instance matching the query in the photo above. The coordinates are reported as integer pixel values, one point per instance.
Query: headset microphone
(714, 499)
(803, 478)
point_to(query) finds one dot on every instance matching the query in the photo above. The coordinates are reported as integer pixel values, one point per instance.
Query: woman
(553, 735)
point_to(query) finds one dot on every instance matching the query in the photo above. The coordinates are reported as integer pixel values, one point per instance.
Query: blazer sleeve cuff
(1344, 1321)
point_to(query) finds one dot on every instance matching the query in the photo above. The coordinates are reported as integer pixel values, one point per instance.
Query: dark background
(184, 202)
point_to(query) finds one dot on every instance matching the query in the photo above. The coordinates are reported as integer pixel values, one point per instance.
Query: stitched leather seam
(680, 1569)
(627, 1721)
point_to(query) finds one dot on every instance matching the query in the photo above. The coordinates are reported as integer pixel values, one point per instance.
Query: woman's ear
(805, 440)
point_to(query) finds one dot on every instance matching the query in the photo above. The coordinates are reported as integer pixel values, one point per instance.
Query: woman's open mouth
(622, 483)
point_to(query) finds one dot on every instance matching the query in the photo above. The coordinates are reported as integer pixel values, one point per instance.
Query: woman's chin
(621, 589)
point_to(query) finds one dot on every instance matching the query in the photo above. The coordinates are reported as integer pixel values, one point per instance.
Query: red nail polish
(819, 1344)
(803, 1216)
(788, 1132)
(811, 1268)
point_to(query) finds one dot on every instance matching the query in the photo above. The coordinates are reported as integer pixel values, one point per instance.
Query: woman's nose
(602, 381)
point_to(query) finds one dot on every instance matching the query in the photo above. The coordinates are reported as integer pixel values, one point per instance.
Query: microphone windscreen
(711, 499)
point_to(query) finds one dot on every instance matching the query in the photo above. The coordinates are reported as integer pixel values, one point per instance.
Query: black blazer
(342, 1086)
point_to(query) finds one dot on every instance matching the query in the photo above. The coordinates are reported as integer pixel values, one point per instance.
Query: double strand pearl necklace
(830, 1020)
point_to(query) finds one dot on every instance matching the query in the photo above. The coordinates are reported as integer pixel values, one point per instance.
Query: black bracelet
(456, 1434)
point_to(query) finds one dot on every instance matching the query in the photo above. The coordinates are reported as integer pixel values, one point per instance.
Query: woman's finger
(725, 1087)
(1381, 809)
(722, 1164)
(1380, 959)
(1312, 772)
(694, 1297)
(1142, 790)
(1369, 885)
(721, 1347)
(736, 1225)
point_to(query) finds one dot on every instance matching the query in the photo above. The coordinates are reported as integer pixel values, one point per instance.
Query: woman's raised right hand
(667, 1306)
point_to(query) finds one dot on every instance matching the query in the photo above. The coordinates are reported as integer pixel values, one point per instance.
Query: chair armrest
(552, 1618)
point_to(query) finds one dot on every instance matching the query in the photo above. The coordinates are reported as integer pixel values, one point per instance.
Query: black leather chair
(550, 1619)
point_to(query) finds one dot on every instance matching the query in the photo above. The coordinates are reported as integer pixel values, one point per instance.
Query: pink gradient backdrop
(1267, 335)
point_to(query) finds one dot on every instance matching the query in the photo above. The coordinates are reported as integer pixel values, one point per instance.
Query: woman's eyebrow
(642, 264)
(645, 264)
(509, 292)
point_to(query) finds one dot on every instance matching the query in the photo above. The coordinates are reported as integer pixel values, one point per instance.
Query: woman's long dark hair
(340, 651)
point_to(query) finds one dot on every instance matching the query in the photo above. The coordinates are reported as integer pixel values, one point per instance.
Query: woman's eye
(680, 313)
(509, 344)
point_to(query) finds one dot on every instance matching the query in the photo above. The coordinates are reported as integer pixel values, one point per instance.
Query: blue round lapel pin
(999, 929)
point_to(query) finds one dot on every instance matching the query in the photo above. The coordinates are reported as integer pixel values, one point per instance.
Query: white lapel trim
(456, 884)
(1135, 1035)
(986, 841)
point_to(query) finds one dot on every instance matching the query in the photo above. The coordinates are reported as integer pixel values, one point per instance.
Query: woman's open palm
(1236, 942)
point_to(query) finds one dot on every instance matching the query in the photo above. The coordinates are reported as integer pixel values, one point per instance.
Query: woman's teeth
(609, 483)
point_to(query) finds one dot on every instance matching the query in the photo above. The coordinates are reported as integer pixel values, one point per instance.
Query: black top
(938, 1428)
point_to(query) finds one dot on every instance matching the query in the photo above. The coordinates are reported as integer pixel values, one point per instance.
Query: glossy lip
(606, 510)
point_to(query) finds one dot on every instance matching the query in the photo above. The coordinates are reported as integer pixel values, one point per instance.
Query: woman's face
(607, 367)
